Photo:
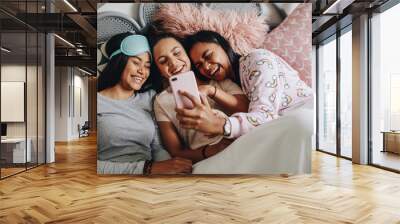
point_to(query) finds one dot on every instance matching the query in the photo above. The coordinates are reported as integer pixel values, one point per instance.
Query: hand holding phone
(184, 82)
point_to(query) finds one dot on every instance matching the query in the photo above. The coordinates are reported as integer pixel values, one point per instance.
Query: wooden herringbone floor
(69, 191)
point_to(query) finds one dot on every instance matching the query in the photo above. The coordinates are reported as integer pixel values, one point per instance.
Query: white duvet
(282, 146)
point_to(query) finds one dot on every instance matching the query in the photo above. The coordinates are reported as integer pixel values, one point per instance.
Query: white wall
(61, 103)
(68, 81)
(80, 83)
(314, 87)
(33, 127)
(12, 73)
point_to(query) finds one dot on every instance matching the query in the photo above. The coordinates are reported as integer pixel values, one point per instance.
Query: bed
(282, 146)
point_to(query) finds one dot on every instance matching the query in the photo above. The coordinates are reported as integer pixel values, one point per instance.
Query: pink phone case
(184, 82)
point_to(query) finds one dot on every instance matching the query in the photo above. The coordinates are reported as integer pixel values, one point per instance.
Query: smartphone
(184, 82)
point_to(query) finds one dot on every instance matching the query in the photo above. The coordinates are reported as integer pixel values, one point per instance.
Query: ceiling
(74, 22)
(329, 16)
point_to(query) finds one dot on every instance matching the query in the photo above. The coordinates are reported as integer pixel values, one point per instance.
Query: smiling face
(170, 57)
(211, 60)
(136, 72)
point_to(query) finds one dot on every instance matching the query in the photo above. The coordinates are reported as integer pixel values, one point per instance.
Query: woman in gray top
(128, 138)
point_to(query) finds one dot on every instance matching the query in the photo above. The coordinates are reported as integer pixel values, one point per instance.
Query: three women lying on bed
(128, 140)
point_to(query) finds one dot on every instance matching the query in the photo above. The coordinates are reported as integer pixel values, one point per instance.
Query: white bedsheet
(282, 146)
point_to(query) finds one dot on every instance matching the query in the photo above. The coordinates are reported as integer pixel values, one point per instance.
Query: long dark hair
(207, 36)
(112, 73)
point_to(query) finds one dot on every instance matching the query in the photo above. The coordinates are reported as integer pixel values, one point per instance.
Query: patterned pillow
(291, 40)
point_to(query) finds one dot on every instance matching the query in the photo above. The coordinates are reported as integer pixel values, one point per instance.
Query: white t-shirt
(164, 109)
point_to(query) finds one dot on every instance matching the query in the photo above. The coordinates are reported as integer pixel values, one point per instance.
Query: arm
(231, 103)
(163, 164)
(265, 88)
(262, 110)
(272, 85)
(263, 85)
(170, 136)
(175, 147)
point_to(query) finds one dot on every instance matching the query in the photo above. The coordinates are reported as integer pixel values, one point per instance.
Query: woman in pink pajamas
(270, 84)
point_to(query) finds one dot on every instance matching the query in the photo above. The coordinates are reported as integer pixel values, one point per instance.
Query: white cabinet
(13, 150)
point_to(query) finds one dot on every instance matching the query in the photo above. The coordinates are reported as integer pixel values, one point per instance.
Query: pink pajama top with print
(272, 87)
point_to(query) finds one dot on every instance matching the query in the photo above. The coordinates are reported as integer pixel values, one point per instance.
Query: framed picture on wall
(12, 101)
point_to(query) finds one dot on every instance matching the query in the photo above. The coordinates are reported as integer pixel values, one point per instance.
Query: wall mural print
(204, 88)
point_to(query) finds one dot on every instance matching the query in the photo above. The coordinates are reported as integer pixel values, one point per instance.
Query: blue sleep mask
(133, 45)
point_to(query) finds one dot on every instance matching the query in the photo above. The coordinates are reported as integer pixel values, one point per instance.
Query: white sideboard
(17, 147)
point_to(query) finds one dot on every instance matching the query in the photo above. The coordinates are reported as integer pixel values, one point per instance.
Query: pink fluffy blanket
(244, 30)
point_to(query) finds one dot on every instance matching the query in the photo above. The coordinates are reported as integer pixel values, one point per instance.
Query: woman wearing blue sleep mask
(129, 65)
